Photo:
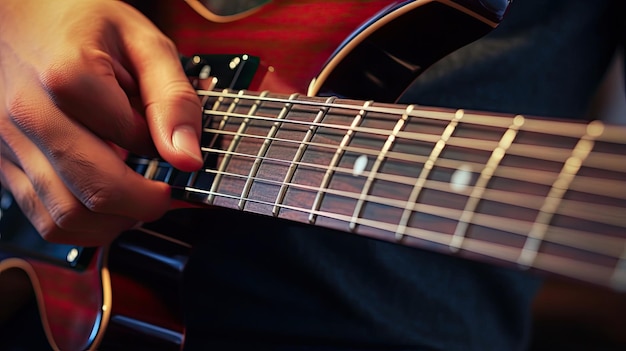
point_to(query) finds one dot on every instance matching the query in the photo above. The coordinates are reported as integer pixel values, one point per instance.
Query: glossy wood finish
(70, 299)
(293, 38)
(129, 295)
(146, 269)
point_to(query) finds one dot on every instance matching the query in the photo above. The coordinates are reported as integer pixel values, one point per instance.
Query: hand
(81, 80)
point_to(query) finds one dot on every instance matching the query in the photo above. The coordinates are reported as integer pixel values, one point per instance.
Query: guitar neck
(535, 193)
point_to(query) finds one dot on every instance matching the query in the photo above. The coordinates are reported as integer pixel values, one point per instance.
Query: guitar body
(377, 47)
(128, 295)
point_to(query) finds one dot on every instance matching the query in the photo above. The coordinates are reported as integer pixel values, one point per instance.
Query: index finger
(172, 107)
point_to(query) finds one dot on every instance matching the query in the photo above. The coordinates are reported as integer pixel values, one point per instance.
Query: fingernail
(185, 139)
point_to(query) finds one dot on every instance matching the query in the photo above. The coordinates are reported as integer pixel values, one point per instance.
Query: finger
(87, 166)
(100, 231)
(66, 211)
(93, 88)
(172, 107)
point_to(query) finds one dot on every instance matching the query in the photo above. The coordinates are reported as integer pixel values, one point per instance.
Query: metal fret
(377, 164)
(263, 150)
(152, 168)
(231, 148)
(299, 154)
(218, 102)
(481, 184)
(556, 193)
(335, 161)
(421, 180)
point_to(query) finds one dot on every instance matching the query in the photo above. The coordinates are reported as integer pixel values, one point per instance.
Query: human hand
(81, 80)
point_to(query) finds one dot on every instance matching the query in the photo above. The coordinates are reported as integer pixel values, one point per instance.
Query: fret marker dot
(359, 165)
(461, 178)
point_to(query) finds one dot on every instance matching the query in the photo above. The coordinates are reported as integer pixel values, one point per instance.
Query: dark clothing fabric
(281, 286)
(294, 287)
(545, 59)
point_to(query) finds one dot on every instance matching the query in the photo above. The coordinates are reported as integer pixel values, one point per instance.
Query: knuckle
(181, 93)
(49, 231)
(20, 111)
(28, 205)
(44, 224)
(160, 40)
(56, 79)
(65, 74)
(168, 43)
(176, 92)
(65, 216)
(97, 198)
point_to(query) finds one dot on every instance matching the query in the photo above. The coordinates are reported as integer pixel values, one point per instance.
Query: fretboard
(534, 193)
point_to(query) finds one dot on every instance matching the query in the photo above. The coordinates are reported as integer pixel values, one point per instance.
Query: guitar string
(587, 271)
(607, 243)
(305, 122)
(537, 129)
(499, 196)
(483, 247)
(504, 171)
(603, 247)
(614, 166)
(562, 128)
(602, 160)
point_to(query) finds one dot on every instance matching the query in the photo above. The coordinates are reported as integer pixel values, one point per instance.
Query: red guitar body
(292, 38)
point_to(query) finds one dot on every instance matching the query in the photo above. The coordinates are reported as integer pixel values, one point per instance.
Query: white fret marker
(359, 165)
(461, 178)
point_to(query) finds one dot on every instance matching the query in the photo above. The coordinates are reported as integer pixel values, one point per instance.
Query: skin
(78, 92)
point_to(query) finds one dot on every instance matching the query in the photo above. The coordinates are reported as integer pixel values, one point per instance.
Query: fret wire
(555, 195)
(438, 237)
(560, 128)
(492, 195)
(255, 166)
(134, 162)
(501, 196)
(335, 160)
(425, 172)
(538, 177)
(377, 164)
(265, 147)
(442, 115)
(571, 208)
(603, 244)
(298, 156)
(337, 127)
(481, 184)
(193, 176)
(152, 168)
(227, 156)
(548, 153)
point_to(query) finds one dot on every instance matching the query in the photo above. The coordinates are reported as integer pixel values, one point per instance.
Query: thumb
(172, 108)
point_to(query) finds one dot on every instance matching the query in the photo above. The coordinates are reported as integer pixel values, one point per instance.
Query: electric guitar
(525, 192)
